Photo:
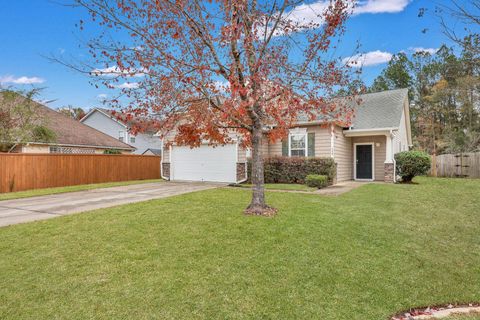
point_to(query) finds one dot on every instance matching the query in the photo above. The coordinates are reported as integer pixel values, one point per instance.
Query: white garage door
(204, 163)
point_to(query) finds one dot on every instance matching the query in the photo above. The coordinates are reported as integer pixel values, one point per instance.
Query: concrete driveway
(51, 206)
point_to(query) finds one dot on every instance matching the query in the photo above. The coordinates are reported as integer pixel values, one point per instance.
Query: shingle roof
(380, 109)
(71, 132)
(375, 110)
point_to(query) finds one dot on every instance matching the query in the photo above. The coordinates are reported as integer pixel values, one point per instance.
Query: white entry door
(204, 163)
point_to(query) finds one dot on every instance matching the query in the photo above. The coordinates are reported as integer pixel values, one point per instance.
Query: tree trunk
(257, 205)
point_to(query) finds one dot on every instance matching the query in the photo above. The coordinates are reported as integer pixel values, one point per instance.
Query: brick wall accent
(389, 172)
(241, 171)
(166, 170)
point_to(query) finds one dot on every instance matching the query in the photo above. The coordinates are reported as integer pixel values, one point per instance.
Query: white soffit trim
(369, 132)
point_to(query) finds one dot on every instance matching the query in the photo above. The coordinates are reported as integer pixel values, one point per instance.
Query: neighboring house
(71, 137)
(107, 122)
(153, 152)
(364, 151)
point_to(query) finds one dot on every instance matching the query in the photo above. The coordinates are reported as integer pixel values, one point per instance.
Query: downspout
(393, 157)
(236, 163)
(161, 160)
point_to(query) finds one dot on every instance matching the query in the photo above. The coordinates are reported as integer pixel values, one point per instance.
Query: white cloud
(307, 13)
(313, 12)
(21, 80)
(380, 6)
(127, 85)
(368, 59)
(102, 96)
(115, 71)
(422, 49)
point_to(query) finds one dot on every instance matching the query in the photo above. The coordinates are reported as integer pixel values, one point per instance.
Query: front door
(364, 159)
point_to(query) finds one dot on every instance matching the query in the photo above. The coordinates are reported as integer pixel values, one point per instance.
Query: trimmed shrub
(295, 169)
(411, 164)
(316, 181)
(112, 151)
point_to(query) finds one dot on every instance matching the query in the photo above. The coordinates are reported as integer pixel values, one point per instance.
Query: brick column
(389, 172)
(166, 170)
(241, 171)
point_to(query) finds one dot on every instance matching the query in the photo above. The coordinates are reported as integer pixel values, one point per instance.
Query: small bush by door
(411, 164)
(316, 181)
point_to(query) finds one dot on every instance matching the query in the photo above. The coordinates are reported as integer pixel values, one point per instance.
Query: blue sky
(32, 29)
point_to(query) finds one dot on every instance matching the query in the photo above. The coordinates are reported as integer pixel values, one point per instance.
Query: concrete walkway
(51, 206)
(340, 188)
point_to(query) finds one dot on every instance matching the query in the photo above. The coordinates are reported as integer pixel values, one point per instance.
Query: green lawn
(283, 186)
(83, 187)
(366, 254)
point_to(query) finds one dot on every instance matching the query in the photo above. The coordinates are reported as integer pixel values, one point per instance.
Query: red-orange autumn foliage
(251, 67)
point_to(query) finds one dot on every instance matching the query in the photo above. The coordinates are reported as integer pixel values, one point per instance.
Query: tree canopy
(444, 93)
(246, 67)
(19, 120)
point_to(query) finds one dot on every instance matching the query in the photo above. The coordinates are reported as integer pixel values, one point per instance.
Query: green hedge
(295, 169)
(411, 164)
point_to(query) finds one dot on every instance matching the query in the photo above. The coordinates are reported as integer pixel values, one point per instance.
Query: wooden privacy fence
(23, 171)
(460, 165)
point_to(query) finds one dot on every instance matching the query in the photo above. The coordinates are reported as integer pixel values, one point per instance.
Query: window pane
(297, 142)
(298, 153)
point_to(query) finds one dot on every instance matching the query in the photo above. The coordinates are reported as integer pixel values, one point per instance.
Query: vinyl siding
(343, 155)
(400, 141)
(322, 143)
(379, 152)
(170, 136)
(107, 125)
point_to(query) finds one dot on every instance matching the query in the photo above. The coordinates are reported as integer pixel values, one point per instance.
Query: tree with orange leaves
(242, 66)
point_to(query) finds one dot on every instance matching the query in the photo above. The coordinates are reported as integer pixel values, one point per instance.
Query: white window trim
(355, 160)
(298, 132)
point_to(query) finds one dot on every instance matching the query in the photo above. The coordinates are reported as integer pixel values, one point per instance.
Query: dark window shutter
(311, 144)
(285, 147)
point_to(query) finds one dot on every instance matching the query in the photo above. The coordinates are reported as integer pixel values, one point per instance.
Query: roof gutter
(369, 132)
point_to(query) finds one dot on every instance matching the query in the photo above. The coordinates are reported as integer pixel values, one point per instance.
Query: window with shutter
(285, 148)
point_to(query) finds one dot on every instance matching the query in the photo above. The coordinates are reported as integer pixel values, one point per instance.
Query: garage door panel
(204, 163)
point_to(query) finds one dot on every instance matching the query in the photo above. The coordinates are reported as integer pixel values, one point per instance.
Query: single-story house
(71, 136)
(363, 151)
(117, 126)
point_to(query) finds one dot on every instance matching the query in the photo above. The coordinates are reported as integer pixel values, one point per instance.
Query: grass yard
(82, 187)
(283, 186)
(366, 254)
